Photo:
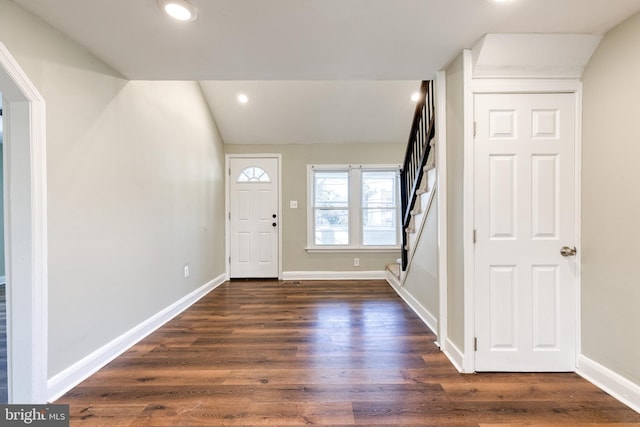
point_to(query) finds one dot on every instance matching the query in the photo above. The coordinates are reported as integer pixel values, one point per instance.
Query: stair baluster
(418, 148)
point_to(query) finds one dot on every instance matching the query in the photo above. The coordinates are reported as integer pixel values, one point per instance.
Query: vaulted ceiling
(310, 62)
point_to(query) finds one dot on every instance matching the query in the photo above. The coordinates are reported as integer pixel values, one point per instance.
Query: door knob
(567, 251)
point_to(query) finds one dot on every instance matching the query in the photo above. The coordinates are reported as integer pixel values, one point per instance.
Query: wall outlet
(293, 204)
(356, 262)
(186, 271)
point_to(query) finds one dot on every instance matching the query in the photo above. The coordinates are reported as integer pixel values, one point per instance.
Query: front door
(253, 217)
(524, 214)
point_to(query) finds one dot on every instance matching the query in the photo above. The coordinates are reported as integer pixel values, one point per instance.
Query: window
(253, 174)
(353, 207)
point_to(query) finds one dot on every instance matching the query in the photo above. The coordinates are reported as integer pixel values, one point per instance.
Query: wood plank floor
(254, 353)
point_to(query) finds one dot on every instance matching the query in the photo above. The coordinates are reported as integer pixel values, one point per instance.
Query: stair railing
(422, 132)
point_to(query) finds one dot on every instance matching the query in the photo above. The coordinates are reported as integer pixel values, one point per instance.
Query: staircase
(417, 179)
(426, 194)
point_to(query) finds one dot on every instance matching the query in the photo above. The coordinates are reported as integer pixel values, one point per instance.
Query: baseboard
(333, 275)
(616, 385)
(393, 280)
(424, 315)
(454, 354)
(64, 381)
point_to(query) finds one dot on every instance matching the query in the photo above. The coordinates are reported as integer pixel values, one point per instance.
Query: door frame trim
(511, 86)
(227, 236)
(26, 233)
(441, 180)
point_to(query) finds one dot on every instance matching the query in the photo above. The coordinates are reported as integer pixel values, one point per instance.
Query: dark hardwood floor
(254, 353)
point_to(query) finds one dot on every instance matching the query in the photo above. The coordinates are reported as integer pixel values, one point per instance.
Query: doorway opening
(4, 391)
(25, 226)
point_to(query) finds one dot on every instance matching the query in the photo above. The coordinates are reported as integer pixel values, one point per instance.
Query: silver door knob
(567, 251)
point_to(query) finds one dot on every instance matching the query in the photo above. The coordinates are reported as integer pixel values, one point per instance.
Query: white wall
(135, 190)
(295, 158)
(610, 203)
(455, 187)
(421, 282)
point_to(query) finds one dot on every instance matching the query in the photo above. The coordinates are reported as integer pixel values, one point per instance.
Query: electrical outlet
(293, 204)
(356, 262)
(186, 271)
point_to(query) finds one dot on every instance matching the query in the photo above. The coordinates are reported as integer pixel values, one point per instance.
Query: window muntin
(353, 207)
(253, 174)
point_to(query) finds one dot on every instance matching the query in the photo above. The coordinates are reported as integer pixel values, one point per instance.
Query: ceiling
(309, 62)
(308, 112)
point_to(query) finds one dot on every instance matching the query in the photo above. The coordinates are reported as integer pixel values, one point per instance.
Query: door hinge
(475, 344)
(229, 260)
(475, 236)
(229, 171)
(229, 215)
(475, 129)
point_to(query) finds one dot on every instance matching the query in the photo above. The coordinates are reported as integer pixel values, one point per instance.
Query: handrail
(418, 147)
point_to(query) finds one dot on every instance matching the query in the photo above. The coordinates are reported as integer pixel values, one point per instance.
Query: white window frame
(355, 209)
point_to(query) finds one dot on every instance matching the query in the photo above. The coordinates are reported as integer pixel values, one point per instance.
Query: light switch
(293, 204)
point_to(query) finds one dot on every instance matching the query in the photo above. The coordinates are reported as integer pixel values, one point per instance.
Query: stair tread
(394, 269)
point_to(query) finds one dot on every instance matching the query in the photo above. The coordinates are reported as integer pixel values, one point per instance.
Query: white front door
(254, 217)
(524, 198)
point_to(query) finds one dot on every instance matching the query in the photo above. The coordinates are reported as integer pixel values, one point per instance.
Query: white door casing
(524, 213)
(26, 232)
(254, 217)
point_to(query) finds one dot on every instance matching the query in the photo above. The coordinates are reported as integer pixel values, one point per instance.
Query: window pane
(331, 226)
(379, 213)
(331, 189)
(379, 227)
(379, 189)
(253, 174)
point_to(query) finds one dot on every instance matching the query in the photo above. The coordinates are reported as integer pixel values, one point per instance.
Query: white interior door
(254, 217)
(524, 213)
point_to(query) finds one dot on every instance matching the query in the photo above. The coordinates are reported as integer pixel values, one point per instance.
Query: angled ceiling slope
(533, 55)
(309, 112)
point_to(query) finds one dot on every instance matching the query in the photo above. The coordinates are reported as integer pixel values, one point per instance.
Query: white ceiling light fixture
(416, 97)
(180, 10)
(242, 98)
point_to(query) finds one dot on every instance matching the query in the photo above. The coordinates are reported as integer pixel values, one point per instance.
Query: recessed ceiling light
(242, 98)
(415, 97)
(180, 10)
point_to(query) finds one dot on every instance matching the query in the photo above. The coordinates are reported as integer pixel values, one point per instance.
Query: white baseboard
(454, 354)
(64, 381)
(430, 320)
(450, 350)
(393, 280)
(616, 385)
(333, 275)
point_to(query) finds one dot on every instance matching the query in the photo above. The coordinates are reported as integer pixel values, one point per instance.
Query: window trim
(355, 208)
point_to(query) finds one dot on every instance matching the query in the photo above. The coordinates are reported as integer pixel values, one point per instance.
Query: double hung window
(353, 207)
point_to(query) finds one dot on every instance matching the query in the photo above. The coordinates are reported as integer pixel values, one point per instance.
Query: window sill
(374, 249)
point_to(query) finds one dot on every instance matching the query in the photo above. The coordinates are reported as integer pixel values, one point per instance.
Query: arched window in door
(253, 174)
